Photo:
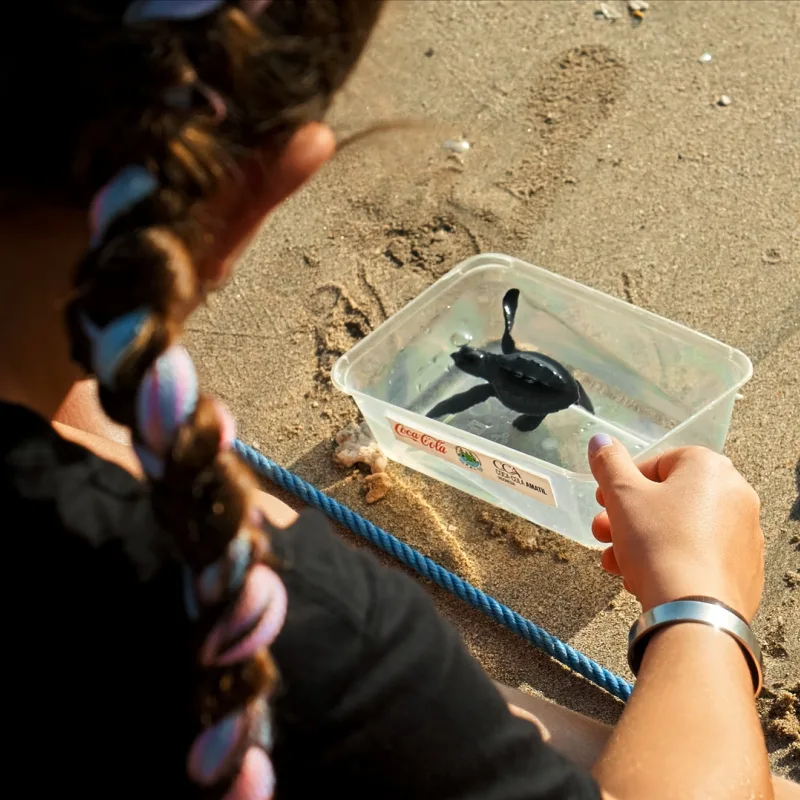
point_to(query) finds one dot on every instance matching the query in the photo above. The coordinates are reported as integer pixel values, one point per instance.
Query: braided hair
(165, 96)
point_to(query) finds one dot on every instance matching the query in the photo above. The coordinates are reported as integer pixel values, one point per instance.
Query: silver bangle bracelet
(706, 612)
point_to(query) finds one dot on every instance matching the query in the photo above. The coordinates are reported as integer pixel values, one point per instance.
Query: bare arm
(588, 742)
(690, 729)
(685, 523)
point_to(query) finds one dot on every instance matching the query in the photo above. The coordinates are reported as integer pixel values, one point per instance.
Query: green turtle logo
(469, 459)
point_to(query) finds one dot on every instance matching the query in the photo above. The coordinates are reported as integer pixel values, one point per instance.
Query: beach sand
(597, 151)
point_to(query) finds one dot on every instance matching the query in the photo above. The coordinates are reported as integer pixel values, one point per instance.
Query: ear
(263, 182)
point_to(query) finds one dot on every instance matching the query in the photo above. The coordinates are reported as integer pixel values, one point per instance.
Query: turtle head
(470, 360)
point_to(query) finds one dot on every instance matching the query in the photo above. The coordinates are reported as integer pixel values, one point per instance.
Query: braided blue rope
(428, 568)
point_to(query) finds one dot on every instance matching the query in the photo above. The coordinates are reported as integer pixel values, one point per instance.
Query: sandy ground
(598, 152)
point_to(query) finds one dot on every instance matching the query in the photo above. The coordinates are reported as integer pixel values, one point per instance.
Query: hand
(683, 523)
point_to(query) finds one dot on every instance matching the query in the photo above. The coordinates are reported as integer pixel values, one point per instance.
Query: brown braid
(108, 85)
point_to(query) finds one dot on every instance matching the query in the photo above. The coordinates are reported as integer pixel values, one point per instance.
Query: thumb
(611, 464)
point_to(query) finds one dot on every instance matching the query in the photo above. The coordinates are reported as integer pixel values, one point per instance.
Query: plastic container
(655, 385)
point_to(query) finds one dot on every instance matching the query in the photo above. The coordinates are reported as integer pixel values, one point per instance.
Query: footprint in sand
(409, 249)
(341, 322)
(569, 99)
(520, 161)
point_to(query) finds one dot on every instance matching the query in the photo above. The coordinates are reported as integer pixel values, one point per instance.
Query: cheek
(230, 223)
(215, 274)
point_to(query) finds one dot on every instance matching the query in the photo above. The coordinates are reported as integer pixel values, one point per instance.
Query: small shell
(357, 445)
(607, 12)
(377, 486)
(459, 146)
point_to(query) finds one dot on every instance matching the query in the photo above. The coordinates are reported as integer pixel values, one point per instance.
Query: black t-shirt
(379, 698)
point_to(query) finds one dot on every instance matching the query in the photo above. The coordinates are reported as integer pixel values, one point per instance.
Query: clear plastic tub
(654, 384)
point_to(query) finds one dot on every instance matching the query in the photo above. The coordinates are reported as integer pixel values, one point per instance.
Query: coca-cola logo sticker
(423, 440)
(493, 469)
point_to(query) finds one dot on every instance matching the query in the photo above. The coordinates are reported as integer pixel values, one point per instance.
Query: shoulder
(86, 511)
(337, 597)
(86, 528)
(103, 622)
(375, 681)
(331, 583)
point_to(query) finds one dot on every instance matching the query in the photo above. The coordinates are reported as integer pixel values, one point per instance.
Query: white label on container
(493, 469)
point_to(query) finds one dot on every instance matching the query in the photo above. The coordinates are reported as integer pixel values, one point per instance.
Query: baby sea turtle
(532, 384)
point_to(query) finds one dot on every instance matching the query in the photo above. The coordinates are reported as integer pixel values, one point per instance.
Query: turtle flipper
(510, 302)
(583, 398)
(526, 423)
(462, 401)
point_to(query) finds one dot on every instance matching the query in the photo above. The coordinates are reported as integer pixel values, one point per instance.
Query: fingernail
(598, 441)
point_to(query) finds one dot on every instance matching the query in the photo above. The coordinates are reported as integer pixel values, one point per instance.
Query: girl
(185, 635)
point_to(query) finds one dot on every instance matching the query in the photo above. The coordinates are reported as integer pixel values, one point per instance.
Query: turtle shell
(530, 383)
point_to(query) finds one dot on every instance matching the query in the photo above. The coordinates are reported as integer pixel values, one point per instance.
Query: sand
(597, 151)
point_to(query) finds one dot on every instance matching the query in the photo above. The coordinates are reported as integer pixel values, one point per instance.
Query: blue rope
(428, 568)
